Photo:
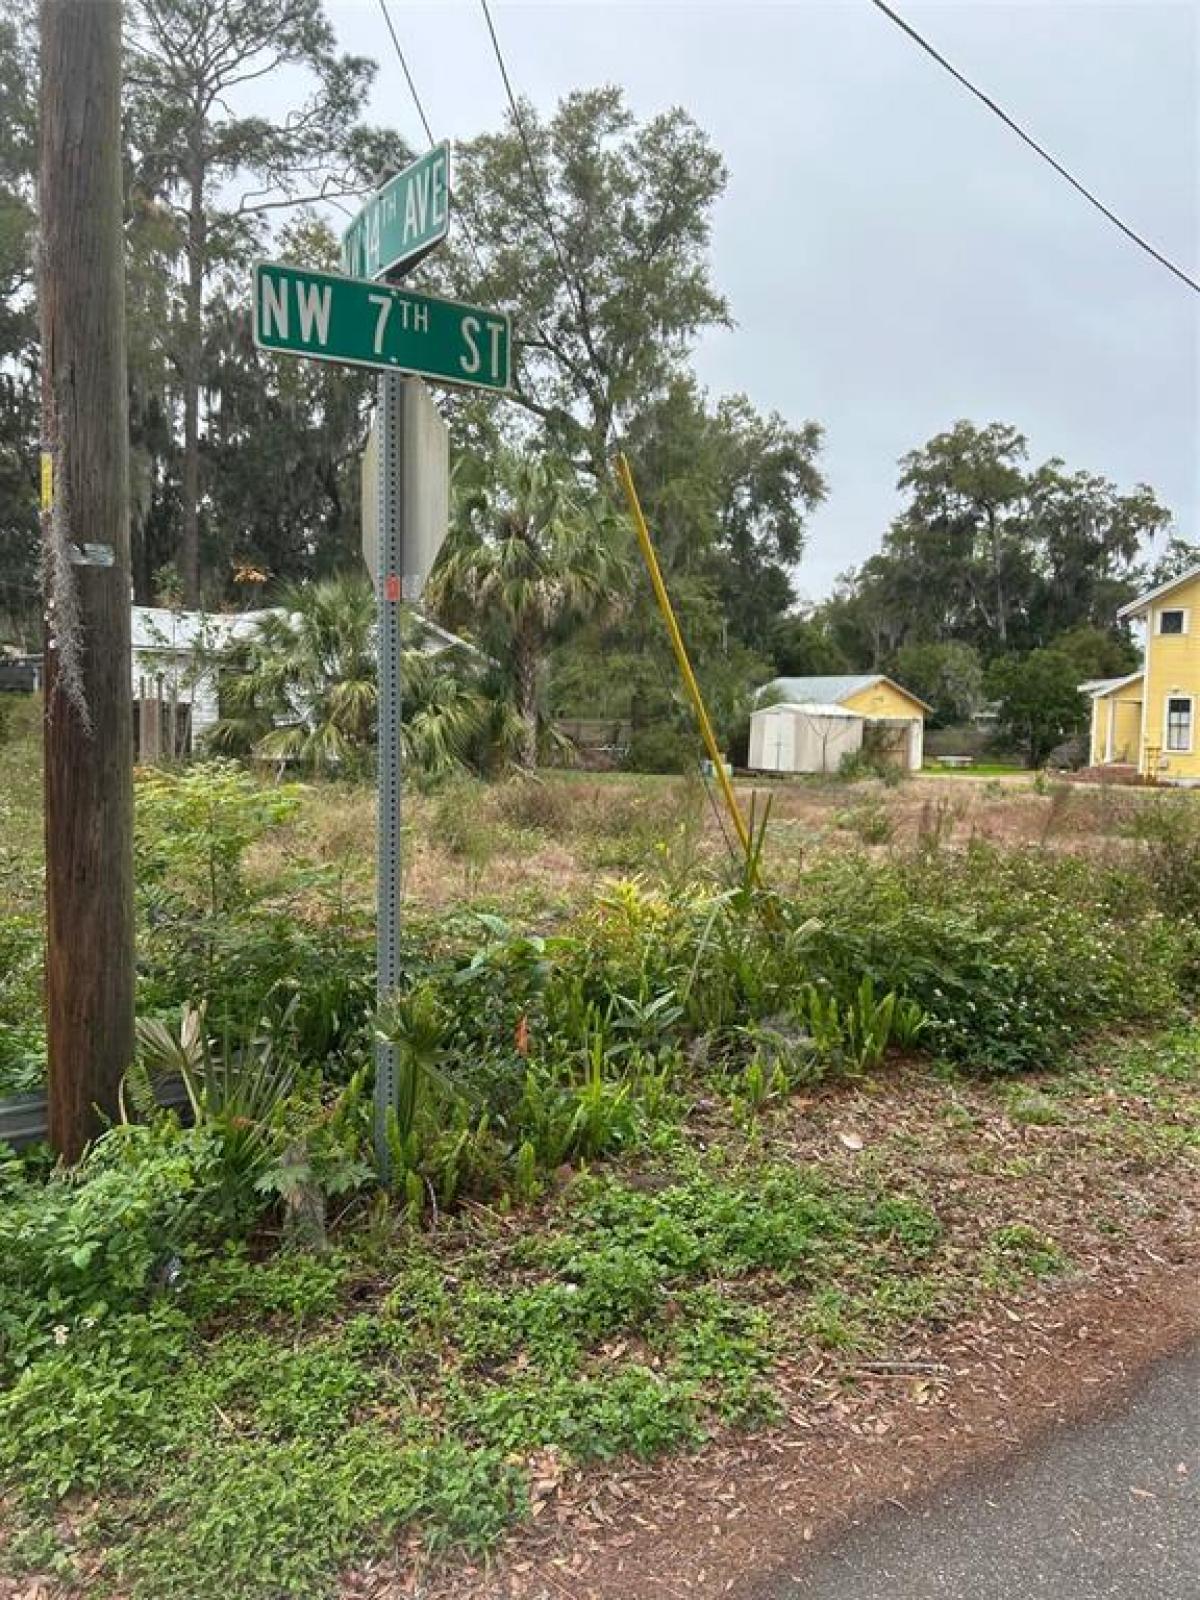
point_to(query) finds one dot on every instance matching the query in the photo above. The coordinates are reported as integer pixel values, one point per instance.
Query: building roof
(812, 708)
(158, 628)
(1099, 687)
(1135, 608)
(831, 691)
(179, 632)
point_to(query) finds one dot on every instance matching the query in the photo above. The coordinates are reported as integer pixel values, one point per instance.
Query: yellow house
(1148, 719)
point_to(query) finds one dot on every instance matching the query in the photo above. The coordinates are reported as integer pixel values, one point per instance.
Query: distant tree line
(245, 467)
(999, 582)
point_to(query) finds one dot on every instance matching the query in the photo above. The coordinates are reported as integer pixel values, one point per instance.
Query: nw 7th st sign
(366, 324)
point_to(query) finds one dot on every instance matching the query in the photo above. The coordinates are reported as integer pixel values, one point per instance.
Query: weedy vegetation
(624, 1195)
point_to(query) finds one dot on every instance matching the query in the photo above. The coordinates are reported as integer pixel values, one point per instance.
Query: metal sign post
(410, 514)
(388, 889)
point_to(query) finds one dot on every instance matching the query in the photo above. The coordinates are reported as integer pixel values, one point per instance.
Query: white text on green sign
(403, 220)
(366, 324)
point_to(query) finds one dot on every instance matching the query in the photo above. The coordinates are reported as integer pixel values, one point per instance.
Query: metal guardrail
(24, 1118)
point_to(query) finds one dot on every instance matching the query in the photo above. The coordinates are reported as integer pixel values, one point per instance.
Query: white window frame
(1183, 749)
(1182, 611)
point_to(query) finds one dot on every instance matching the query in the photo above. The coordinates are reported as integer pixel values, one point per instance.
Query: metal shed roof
(831, 690)
(812, 708)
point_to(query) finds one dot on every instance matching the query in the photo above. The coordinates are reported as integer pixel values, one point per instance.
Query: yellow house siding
(1127, 729)
(884, 700)
(1100, 716)
(1117, 725)
(1172, 669)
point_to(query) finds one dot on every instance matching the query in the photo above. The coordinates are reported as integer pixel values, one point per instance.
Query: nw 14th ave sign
(403, 220)
(366, 324)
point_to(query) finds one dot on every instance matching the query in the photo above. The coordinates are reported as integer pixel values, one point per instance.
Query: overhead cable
(1010, 122)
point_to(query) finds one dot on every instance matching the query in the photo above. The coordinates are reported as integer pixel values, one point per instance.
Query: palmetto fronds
(529, 556)
(305, 689)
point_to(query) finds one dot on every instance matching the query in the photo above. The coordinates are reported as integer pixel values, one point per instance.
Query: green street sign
(366, 324)
(403, 220)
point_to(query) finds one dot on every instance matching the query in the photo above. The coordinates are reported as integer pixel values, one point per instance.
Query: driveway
(1109, 1510)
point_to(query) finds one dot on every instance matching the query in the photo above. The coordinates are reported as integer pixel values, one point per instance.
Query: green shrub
(537, 803)
(87, 1247)
(858, 765)
(870, 820)
(1010, 955)
(661, 748)
(461, 824)
(194, 826)
(22, 1034)
(1169, 829)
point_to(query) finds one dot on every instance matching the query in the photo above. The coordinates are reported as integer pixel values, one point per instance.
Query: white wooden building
(177, 660)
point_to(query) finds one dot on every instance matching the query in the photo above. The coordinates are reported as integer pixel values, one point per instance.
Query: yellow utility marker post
(681, 656)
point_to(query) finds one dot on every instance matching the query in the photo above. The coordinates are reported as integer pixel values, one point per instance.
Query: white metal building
(808, 737)
(812, 724)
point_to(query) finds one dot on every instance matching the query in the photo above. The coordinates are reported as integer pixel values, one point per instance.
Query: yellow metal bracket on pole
(681, 656)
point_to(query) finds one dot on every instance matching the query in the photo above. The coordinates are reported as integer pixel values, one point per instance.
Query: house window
(1172, 622)
(1179, 722)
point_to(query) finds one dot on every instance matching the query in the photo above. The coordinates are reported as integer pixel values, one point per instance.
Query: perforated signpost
(359, 320)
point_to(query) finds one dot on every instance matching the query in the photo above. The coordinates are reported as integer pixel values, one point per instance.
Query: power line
(461, 216)
(534, 173)
(547, 216)
(577, 304)
(412, 88)
(1040, 150)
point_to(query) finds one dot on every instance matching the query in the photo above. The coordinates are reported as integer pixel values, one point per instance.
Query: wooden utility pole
(85, 530)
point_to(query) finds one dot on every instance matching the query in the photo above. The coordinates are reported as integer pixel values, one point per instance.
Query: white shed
(886, 720)
(177, 657)
(805, 737)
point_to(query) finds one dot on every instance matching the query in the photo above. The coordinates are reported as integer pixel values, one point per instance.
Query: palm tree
(304, 689)
(528, 557)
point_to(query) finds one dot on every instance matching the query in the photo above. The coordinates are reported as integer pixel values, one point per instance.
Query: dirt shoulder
(719, 1523)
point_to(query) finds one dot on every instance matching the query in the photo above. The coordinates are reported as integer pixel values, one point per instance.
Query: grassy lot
(272, 1416)
(20, 803)
(21, 895)
(532, 851)
(664, 1142)
(979, 769)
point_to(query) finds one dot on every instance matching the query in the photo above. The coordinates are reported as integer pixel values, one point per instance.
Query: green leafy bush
(870, 821)
(1010, 956)
(194, 826)
(661, 748)
(1169, 830)
(86, 1247)
(22, 1035)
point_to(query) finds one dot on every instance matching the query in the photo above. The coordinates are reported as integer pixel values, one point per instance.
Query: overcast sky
(894, 257)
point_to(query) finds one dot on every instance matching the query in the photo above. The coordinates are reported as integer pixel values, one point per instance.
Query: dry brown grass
(541, 845)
